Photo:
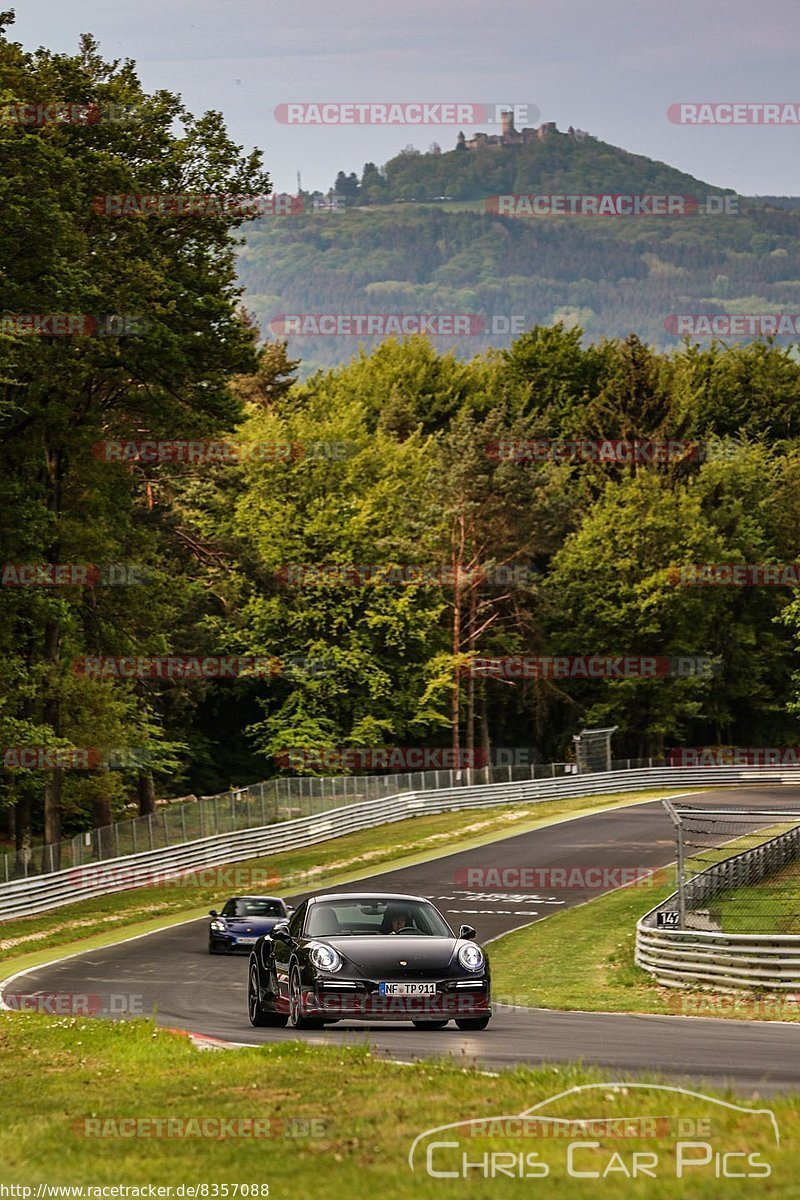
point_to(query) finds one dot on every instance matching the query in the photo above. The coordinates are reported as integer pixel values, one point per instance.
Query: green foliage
(61, 396)
(387, 462)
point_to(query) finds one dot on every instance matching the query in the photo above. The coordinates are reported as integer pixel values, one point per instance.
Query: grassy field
(81, 1101)
(25, 941)
(583, 958)
(769, 907)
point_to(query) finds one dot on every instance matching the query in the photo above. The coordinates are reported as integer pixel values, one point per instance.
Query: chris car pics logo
(606, 1131)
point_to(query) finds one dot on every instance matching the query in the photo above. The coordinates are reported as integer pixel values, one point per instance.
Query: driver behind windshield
(395, 919)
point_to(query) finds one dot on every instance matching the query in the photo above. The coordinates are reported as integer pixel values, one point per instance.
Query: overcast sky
(611, 67)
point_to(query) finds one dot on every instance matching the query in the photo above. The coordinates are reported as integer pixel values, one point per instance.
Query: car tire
(260, 1016)
(212, 949)
(429, 1024)
(296, 1018)
(472, 1024)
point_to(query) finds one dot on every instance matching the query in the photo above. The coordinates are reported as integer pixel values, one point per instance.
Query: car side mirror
(466, 931)
(290, 908)
(213, 913)
(280, 930)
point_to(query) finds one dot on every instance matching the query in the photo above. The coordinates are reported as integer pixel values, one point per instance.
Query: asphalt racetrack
(171, 973)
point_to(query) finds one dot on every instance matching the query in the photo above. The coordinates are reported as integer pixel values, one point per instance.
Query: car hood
(394, 955)
(250, 924)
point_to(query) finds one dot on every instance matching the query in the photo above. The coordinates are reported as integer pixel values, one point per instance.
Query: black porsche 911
(363, 956)
(242, 921)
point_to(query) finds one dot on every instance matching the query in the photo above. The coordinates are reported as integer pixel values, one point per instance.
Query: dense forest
(288, 534)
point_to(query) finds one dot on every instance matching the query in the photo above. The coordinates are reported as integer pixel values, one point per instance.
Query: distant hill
(790, 203)
(610, 274)
(558, 162)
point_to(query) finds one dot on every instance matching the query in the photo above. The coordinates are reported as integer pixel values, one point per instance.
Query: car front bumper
(230, 943)
(361, 1000)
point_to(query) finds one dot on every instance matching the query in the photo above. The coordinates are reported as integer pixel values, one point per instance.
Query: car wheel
(473, 1023)
(212, 949)
(429, 1024)
(258, 1014)
(296, 1018)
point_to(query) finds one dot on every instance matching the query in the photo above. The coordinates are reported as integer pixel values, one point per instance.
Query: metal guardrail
(280, 799)
(24, 897)
(698, 957)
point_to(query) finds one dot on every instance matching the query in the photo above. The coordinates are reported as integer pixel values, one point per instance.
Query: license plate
(407, 989)
(246, 941)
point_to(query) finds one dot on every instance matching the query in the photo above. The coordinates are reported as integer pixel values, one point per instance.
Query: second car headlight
(325, 958)
(218, 926)
(471, 957)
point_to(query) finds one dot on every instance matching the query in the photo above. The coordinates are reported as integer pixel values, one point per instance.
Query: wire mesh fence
(264, 803)
(738, 870)
(593, 749)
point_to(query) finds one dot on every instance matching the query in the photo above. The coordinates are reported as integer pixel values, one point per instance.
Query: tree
(62, 395)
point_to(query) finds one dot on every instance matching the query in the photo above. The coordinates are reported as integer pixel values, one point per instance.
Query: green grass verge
(583, 958)
(86, 924)
(352, 1121)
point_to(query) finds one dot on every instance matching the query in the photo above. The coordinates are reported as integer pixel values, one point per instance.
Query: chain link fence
(593, 749)
(738, 870)
(260, 804)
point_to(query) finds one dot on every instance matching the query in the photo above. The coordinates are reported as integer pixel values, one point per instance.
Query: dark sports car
(242, 921)
(362, 956)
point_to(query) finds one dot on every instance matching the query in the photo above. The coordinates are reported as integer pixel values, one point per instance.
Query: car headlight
(325, 958)
(471, 957)
(218, 926)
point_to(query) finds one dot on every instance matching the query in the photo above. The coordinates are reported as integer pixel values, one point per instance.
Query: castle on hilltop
(515, 137)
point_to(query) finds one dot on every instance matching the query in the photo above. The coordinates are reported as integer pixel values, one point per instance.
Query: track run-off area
(173, 976)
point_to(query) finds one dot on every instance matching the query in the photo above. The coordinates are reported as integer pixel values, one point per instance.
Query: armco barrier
(23, 897)
(698, 957)
(282, 798)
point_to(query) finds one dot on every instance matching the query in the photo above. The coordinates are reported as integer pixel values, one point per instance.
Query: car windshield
(254, 908)
(352, 917)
